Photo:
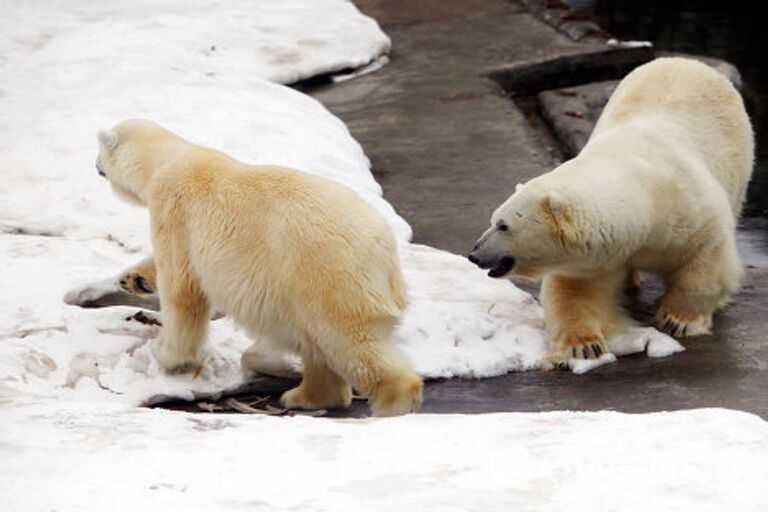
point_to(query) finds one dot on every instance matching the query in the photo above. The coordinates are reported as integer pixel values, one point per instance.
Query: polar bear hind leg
(376, 369)
(320, 388)
(698, 289)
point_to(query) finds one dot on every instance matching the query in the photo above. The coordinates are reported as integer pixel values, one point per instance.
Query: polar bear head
(125, 157)
(534, 231)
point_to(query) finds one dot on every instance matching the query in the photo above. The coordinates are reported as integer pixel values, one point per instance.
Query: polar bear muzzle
(496, 266)
(502, 267)
(100, 168)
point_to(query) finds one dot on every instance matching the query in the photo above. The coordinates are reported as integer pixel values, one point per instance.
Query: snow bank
(203, 69)
(105, 457)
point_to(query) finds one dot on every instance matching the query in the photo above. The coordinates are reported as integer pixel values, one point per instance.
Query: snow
(69, 71)
(84, 456)
(629, 44)
(72, 436)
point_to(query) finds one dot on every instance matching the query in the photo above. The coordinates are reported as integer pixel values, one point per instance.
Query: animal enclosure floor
(448, 146)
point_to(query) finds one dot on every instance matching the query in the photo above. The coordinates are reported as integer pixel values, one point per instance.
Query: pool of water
(733, 31)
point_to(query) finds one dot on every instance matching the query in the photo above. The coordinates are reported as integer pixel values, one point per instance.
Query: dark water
(733, 31)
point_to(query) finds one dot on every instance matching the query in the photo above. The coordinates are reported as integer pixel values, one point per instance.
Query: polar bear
(296, 258)
(658, 188)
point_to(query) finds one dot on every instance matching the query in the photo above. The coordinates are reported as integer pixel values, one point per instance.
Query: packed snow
(82, 456)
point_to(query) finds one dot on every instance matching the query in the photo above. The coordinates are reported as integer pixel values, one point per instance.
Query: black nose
(473, 258)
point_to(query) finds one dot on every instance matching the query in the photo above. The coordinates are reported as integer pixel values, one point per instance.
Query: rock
(572, 112)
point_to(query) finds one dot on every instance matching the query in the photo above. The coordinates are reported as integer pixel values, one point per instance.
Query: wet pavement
(448, 145)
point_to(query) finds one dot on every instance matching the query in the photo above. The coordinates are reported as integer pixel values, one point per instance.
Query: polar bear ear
(556, 202)
(108, 139)
(560, 215)
(518, 187)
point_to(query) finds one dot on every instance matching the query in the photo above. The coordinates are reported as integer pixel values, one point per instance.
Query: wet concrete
(445, 141)
(448, 146)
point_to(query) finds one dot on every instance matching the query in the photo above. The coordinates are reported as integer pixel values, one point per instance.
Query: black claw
(667, 325)
(685, 329)
(141, 284)
(573, 351)
(598, 350)
(585, 353)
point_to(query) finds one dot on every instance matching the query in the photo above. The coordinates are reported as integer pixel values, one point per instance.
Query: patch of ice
(629, 44)
(645, 339)
(365, 70)
(580, 366)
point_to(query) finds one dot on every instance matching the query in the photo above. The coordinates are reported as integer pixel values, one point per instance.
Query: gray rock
(572, 112)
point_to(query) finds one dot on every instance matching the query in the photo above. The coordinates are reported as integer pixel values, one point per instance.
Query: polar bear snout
(498, 266)
(502, 267)
(100, 168)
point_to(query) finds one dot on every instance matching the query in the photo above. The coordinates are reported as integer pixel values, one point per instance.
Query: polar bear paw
(135, 283)
(302, 398)
(681, 326)
(397, 395)
(172, 359)
(580, 347)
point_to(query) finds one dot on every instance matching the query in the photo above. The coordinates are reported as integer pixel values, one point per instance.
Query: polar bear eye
(503, 227)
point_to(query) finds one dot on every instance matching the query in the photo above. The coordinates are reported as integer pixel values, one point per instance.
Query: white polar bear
(658, 188)
(297, 258)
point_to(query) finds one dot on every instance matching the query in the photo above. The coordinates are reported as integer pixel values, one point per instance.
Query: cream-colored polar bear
(297, 258)
(657, 188)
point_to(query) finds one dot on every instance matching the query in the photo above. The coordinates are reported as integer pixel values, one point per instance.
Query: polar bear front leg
(185, 312)
(698, 289)
(581, 313)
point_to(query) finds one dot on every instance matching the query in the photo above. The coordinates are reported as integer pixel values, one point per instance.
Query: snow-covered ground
(71, 434)
(76, 457)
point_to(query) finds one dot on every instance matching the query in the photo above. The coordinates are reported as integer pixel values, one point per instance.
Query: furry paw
(171, 359)
(681, 326)
(302, 398)
(591, 348)
(397, 396)
(578, 347)
(136, 284)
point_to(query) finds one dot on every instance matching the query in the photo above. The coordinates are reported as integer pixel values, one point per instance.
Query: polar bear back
(304, 241)
(702, 102)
